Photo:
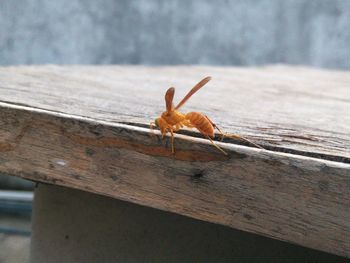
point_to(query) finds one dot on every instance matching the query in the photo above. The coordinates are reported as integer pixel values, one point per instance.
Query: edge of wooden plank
(186, 136)
(295, 198)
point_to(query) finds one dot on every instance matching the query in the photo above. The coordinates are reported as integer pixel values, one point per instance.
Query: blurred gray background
(236, 32)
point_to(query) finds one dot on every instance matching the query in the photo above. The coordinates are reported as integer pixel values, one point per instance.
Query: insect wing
(169, 96)
(193, 91)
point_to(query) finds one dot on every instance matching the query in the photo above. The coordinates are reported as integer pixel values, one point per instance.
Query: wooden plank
(294, 198)
(84, 145)
(290, 109)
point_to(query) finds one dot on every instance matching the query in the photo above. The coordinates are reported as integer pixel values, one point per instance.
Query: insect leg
(216, 127)
(151, 127)
(216, 146)
(229, 135)
(172, 141)
(177, 127)
(221, 132)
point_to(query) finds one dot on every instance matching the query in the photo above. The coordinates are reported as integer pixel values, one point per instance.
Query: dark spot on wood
(323, 185)
(89, 151)
(247, 216)
(114, 177)
(198, 174)
(51, 166)
(76, 176)
(66, 237)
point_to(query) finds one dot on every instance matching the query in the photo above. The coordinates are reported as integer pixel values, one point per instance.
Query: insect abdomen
(201, 122)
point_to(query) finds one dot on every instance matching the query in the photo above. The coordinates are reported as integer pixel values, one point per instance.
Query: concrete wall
(74, 226)
(231, 32)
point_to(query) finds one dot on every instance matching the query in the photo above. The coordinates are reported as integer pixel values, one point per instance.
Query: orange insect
(172, 120)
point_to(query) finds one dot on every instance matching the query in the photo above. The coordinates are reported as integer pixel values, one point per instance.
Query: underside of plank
(72, 127)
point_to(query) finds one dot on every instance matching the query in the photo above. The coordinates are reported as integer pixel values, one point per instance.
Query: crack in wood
(188, 155)
(322, 156)
(115, 142)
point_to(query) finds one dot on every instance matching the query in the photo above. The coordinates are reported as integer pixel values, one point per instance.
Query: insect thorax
(173, 117)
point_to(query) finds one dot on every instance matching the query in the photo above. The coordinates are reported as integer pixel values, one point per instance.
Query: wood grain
(289, 109)
(73, 133)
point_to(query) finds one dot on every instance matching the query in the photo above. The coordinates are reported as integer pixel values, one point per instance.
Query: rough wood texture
(283, 108)
(79, 139)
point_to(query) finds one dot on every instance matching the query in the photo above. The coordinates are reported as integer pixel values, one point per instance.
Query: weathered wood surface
(286, 108)
(72, 132)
